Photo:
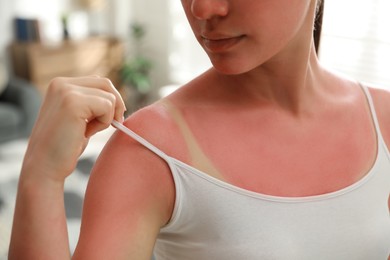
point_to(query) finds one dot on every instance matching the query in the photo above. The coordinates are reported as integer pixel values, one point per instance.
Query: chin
(230, 69)
(233, 64)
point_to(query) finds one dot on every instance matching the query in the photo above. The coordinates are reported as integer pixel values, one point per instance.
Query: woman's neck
(289, 84)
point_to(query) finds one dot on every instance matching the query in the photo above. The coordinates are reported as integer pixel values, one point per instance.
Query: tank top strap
(140, 140)
(372, 110)
(198, 158)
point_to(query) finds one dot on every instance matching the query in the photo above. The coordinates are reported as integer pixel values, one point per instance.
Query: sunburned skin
(261, 166)
(229, 104)
(267, 117)
(287, 179)
(122, 199)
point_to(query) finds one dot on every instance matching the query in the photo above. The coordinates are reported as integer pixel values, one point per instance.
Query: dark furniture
(19, 106)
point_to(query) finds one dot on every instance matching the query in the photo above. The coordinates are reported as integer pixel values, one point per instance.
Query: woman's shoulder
(155, 124)
(381, 100)
(379, 94)
(380, 97)
(130, 192)
(129, 169)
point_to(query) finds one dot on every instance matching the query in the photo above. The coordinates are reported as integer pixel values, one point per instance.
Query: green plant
(135, 71)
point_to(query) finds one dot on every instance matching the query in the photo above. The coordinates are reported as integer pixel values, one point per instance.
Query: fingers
(73, 110)
(95, 104)
(94, 83)
(99, 113)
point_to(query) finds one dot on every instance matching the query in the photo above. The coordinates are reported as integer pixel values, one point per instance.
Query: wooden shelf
(39, 63)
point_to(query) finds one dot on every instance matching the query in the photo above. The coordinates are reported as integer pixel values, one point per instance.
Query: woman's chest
(289, 159)
(220, 221)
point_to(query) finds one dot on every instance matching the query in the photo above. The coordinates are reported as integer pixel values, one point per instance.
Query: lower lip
(221, 45)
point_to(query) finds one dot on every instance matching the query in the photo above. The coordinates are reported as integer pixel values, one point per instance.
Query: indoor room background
(355, 40)
(355, 34)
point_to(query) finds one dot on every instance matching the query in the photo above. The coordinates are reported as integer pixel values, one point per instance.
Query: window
(186, 59)
(356, 39)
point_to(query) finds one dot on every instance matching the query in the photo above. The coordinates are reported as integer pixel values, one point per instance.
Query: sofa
(19, 106)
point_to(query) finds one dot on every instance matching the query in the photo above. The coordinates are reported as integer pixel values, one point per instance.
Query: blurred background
(147, 49)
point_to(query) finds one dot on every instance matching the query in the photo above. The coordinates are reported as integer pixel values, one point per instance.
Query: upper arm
(381, 100)
(130, 196)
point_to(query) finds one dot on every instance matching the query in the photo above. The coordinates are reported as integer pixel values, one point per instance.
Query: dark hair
(318, 23)
(319, 5)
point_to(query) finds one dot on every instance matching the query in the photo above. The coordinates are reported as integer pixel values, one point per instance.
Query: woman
(267, 155)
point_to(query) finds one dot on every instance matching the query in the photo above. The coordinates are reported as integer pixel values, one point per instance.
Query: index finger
(103, 84)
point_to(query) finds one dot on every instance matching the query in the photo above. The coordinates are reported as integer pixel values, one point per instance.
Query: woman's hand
(73, 110)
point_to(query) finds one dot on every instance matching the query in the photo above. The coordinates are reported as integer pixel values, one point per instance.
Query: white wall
(112, 20)
(47, 11)
(6, 12)
(358, 46)
(154, 14)
(187, 58)
(115, 20)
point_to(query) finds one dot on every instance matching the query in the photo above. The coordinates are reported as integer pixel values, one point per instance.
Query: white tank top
(216, 220)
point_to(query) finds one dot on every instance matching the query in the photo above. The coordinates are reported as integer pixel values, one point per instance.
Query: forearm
(73, 110)
(39, 229)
